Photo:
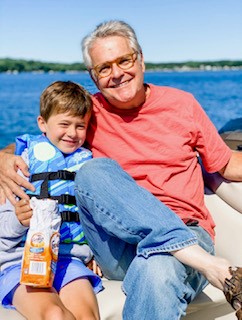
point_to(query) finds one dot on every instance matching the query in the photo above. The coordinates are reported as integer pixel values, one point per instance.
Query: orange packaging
(42, 244)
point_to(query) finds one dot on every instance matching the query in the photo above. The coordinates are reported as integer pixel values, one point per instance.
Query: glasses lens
(104, 70)
(126, 62)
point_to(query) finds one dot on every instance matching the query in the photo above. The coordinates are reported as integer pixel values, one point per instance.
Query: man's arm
(233, 170)
(10, 181)
(9, 149)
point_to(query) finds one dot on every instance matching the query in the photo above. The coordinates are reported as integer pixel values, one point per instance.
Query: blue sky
(168, 30)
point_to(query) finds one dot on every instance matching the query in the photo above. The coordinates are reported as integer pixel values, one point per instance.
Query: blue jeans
(131, 234)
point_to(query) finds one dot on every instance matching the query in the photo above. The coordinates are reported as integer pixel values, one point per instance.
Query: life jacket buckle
(68, 216)
(65, 175)
(65, 199)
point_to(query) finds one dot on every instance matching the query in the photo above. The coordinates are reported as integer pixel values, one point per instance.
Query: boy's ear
(41, 124)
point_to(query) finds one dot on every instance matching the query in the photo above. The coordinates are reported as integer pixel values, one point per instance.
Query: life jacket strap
(55, 175)
(68, 199)
(58, 175)
(62, 199)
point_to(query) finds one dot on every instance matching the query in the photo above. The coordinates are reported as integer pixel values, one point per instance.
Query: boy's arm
(11, 230)
(10, 181)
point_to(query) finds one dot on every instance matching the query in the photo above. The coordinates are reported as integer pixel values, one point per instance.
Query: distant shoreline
(18, 66)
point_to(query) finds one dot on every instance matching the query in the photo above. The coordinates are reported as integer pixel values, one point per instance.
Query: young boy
(65, 110)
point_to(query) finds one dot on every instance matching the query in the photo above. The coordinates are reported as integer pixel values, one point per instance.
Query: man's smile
(122, 84)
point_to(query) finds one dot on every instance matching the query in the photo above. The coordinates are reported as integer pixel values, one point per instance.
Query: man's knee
(95, 166)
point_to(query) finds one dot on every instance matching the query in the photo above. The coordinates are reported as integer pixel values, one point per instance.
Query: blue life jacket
(52, 174)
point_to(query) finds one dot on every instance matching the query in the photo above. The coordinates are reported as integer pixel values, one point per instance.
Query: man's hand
(23, 212)
(10, 180)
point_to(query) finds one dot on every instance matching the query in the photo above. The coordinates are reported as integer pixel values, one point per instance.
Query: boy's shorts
(68, 269)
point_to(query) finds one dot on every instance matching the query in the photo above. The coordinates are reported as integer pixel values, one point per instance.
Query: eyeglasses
(105, 69)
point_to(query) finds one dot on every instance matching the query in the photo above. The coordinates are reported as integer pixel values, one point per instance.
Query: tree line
(11, 65)
(20, 65)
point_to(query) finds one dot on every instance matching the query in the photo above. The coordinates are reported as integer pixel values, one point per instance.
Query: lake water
(219, 93)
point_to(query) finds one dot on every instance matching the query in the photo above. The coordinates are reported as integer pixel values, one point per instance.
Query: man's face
(124, 89)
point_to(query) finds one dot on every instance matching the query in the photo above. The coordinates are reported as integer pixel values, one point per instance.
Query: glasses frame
(94, 71)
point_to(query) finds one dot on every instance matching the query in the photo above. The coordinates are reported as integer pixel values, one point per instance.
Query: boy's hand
(95, 267)
(23, 212)
(10, 180)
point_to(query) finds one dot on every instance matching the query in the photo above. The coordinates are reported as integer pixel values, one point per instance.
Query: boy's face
(64, 131)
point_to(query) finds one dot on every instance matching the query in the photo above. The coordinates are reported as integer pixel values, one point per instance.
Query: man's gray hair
(107, 29)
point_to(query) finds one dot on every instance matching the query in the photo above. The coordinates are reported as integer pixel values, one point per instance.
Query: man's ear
(94, 79)
(42, 124)
(142, 61)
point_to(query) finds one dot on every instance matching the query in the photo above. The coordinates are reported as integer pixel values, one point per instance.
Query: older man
(153, 135)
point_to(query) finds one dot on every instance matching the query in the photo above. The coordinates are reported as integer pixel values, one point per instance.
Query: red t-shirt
(158, 144)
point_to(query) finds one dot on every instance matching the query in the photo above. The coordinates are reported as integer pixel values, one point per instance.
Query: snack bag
(42, 244)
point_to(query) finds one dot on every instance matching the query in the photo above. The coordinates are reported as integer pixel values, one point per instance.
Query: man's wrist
(9, 149)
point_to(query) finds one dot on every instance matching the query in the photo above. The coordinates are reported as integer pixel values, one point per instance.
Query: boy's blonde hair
(65, 97)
